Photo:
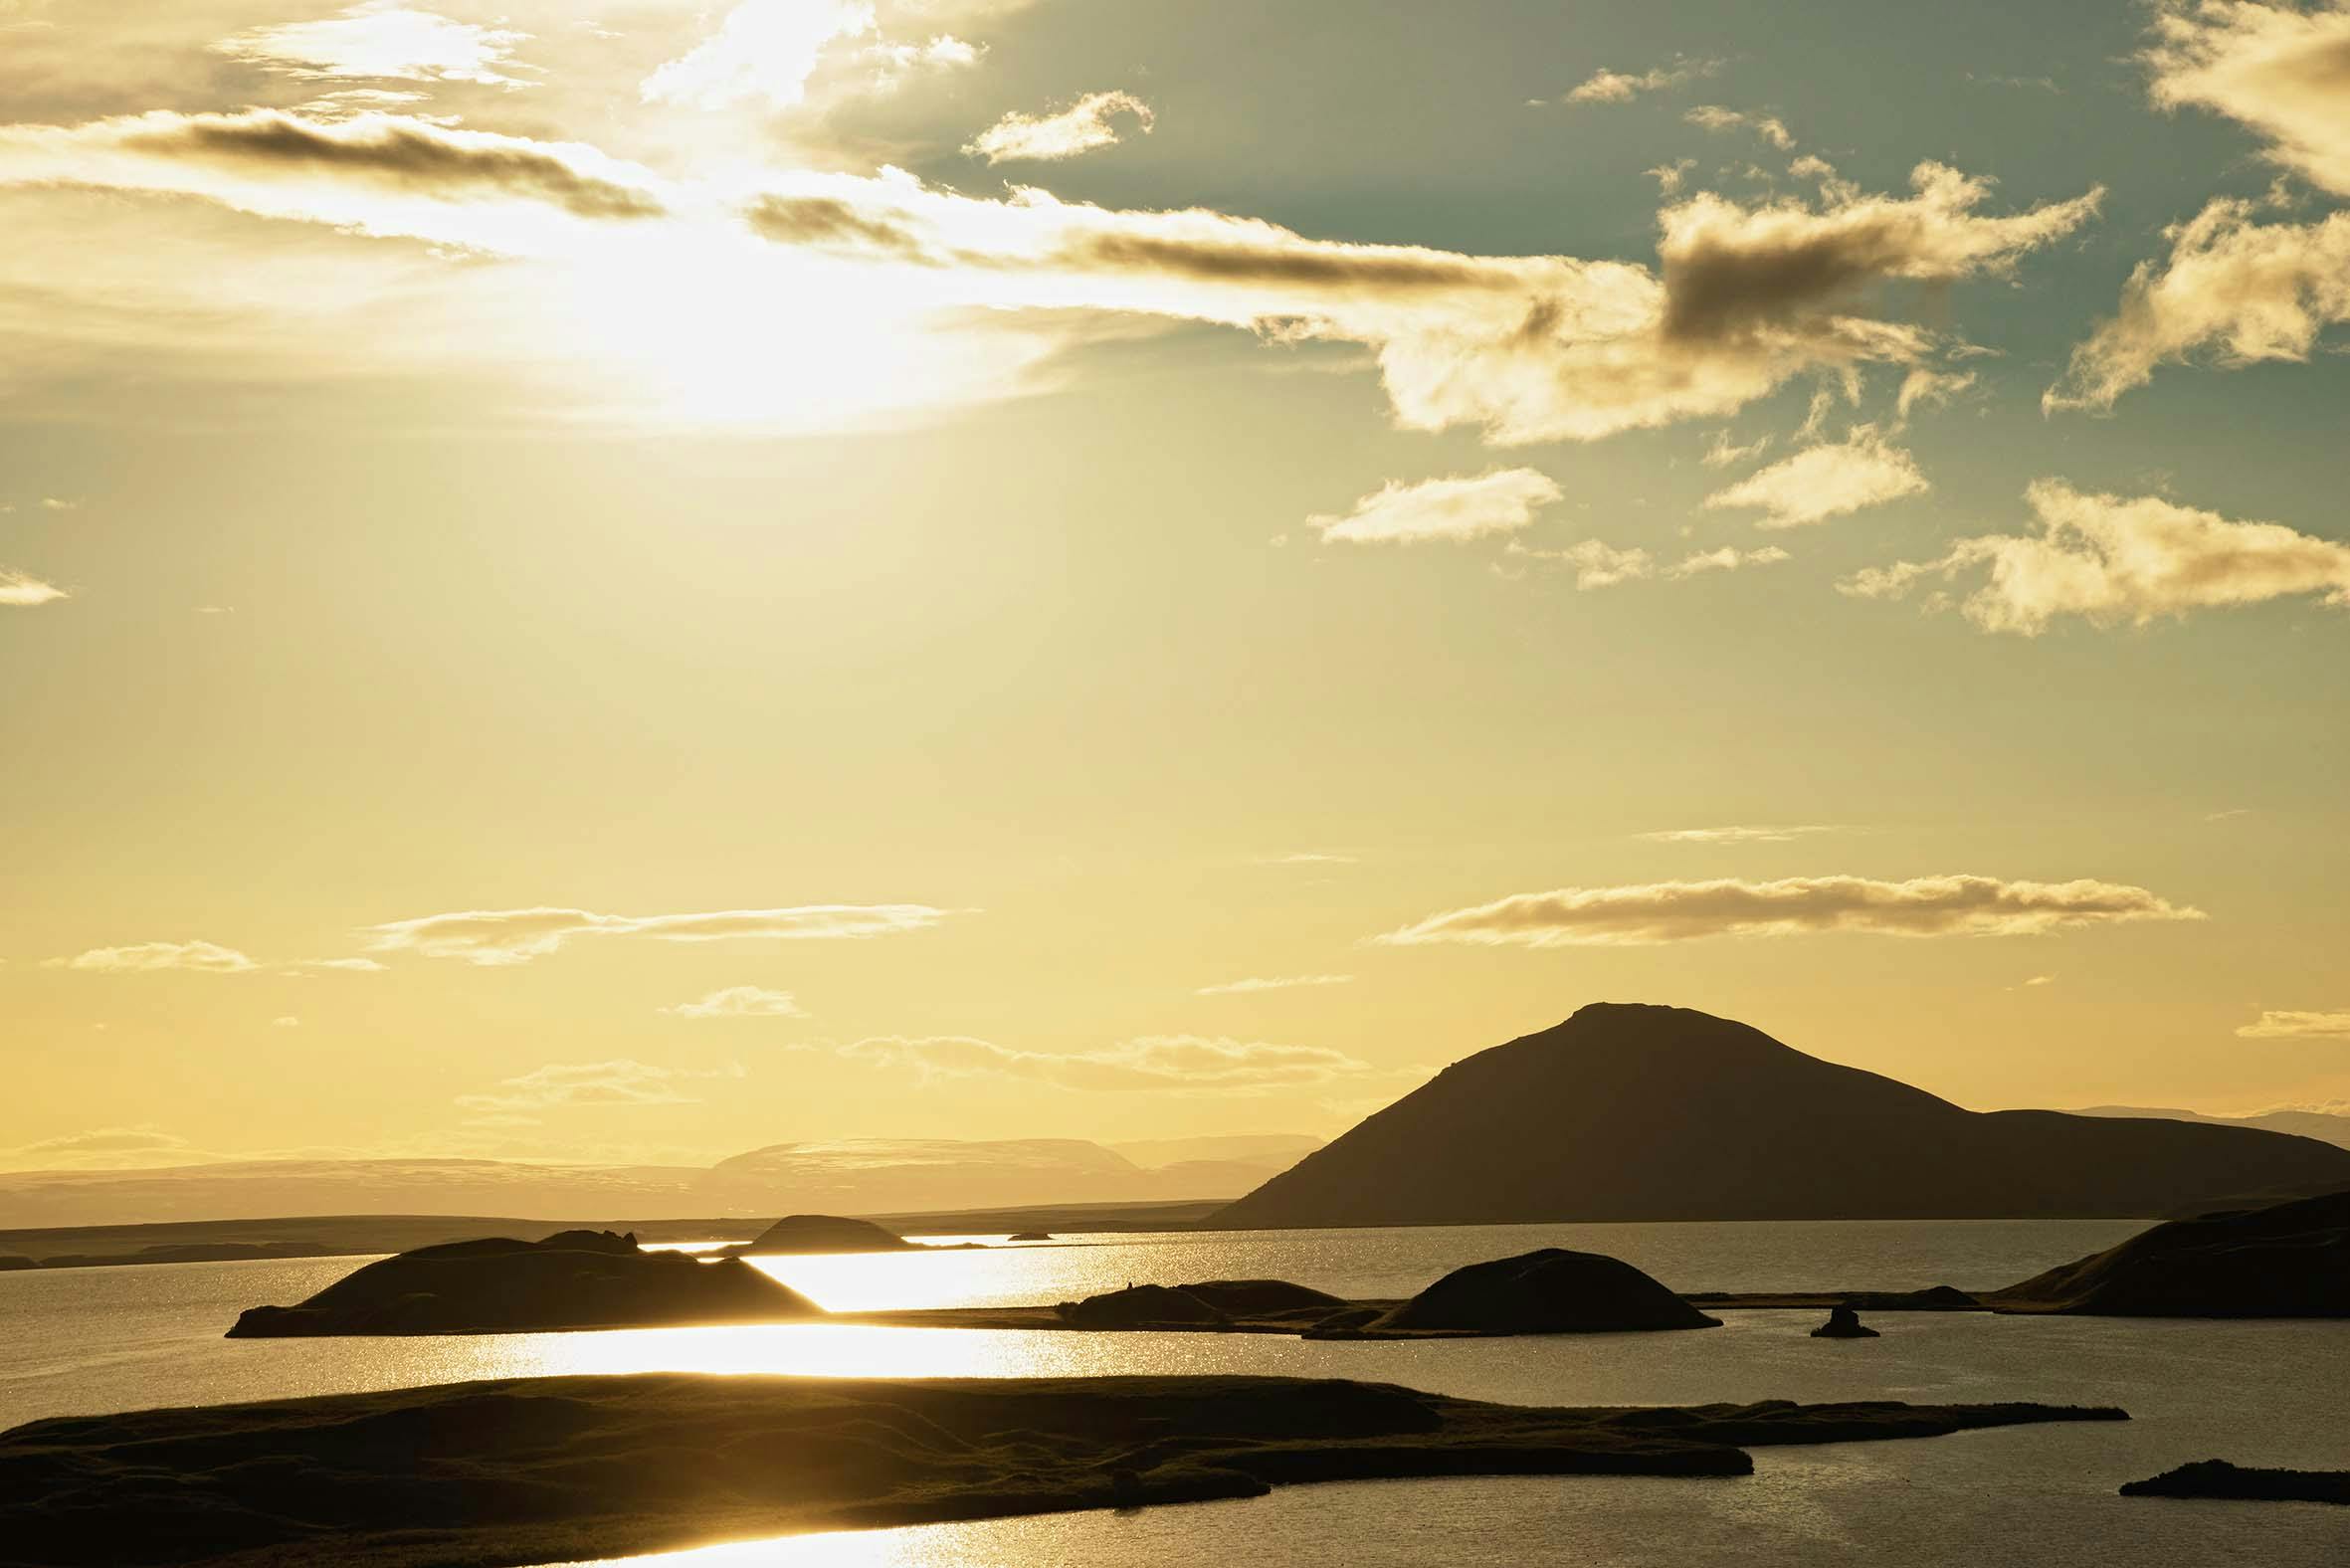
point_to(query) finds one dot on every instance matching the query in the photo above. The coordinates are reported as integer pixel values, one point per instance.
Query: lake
(2270, 1393)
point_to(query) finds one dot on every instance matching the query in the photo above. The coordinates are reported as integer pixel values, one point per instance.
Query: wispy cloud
(1598, 564)
(156, 957)
(1678, 911)
(19, 592)
(1177, 1062)
(2272, 1025)
(1826, 480)
(1087, 125)
(1713, 116)
(1308, 857)
(2112, 560)
(1618, 87)
(740, 1001)
(2281, 70)
(106, 1149)
(2243, 291)
(763, 51)
(622, 1082)
(1450, 509)
(1275, 983)
(1739, 833)
(381, 40)
(514, 936)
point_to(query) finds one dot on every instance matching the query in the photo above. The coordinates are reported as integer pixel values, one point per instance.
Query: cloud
(1616, 86)
(1739, 834)
(1501, 502)
(375, 171)
(2244, 290)
(287, 1022)
(1826, 480)
(1713, 117)
(58, 504)
(380, 40)
(2273, 1025)
(515, 936)
(1084, 126)
(1722, 454)
(1308, 858)
(2110, 559)
(103, 1148)
(1924, 388)
(1728, 558)
(360, 966)
(154, 957)
(1179, 1063)
(1678, 911)
(1671, 176)
(1598, 564)
(764, 50)
(2282, 71)
(617, 1082)
(1276, 983)
(2041, 980)
(740, 1001)
(19, 592)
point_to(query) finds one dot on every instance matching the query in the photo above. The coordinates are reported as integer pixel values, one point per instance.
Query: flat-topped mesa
(573, 1279)
(822, 1233)
(1652, 1113)
(2289, 1260)
(1549, 1291)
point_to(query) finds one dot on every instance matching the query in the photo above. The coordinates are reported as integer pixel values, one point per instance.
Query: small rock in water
(1843, 1324)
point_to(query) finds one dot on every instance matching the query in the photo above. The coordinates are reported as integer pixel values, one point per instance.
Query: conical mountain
(1637, 1112)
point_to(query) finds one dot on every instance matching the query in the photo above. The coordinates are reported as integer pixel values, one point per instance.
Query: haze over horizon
(629, 581)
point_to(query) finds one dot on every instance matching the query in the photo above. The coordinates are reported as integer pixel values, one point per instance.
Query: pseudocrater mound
(1551, 1292)
(572, 1280)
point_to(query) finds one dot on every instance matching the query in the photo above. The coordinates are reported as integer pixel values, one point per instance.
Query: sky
(625, 580)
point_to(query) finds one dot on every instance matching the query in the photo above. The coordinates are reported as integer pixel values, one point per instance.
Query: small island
(822, 1233)
(2216, 1479)
(573, 1279)
(556, 1470)
(1844, 1323)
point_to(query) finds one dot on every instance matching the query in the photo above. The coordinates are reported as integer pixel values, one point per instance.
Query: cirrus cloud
(197, 957)
(515, 936)
(1255, 985)
(2274, 1025)
(740, 1001)
(1184, 1064)
(622, 1082)
(1678, 911)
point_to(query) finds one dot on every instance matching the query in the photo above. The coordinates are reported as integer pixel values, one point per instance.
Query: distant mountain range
(853, 1176)
(1633, 1112)
(2325, 1126)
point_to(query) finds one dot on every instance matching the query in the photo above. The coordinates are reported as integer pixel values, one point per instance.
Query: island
(1844, 1323)
(573, 1279)
(555, 1470)
(822, 1233)
(2216, 1479)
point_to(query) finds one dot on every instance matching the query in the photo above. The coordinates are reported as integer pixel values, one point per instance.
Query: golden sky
(634, 579)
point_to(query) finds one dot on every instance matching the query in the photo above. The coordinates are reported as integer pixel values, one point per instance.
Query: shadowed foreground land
(551, 1468)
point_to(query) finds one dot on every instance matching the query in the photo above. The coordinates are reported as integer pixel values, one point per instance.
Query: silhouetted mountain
(571, 1279)
(1633, 1112)
(2290, 1260)
(2325, 1126)
(1280, 1150)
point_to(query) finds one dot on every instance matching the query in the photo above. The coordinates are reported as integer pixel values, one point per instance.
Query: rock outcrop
(1844, 1323)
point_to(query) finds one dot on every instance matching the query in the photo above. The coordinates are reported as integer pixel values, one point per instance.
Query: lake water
(90, 1340)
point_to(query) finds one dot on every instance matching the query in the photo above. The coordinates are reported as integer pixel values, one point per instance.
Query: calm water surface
(89, 1340)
